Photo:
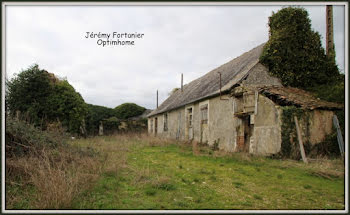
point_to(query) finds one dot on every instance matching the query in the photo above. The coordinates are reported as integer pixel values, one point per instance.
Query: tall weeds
(57, 176)
(43, 170)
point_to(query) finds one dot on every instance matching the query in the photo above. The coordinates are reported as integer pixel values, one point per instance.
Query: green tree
(294, 52)
(43, 98)
(66, 105)
(28, 93)
(128, 110)
(295, 55)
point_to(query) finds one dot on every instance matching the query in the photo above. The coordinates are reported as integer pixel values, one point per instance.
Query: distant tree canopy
(294, 52)
(128, 110)
(43, 98)
(96, 114)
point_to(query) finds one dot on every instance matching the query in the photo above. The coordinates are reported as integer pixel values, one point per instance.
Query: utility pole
(182, 81)
(157, 98)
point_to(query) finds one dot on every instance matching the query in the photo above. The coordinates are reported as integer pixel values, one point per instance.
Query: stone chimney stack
(329, 27)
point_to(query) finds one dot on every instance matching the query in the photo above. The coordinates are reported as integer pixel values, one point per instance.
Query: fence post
(339, 135)
(300, 140)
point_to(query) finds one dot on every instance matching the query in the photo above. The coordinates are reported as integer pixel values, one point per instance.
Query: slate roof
(208, 85)
(232, 73)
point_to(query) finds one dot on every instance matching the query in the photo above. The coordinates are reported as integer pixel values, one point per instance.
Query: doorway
(244, 134)
(247, 133)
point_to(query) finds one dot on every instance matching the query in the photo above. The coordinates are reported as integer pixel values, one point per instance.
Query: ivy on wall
(290, 146)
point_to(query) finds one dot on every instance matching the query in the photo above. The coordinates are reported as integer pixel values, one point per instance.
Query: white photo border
(242, 3)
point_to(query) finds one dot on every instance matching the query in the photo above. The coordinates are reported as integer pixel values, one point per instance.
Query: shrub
(110, 125)
(127, 110)
(96, 114)
(52, 180)
(23, 138)
(42, 98)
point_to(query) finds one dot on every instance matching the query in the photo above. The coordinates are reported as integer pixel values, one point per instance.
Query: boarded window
(166, 122)
(204, 114)
(238, 104)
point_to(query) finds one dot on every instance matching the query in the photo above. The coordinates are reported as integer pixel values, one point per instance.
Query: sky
(192, 40)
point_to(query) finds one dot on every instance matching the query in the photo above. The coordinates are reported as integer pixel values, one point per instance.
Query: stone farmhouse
(239, 107)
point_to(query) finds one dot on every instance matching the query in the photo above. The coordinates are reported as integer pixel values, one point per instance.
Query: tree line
(42, 99)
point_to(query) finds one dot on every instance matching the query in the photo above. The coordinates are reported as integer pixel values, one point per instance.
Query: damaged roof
(208, 85)
(297, 97)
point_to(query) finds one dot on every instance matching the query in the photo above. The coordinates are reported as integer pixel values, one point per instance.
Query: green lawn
(169, 176)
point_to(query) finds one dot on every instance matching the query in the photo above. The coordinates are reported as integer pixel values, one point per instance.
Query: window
(204, 114)
(165, 122)
(189, 117)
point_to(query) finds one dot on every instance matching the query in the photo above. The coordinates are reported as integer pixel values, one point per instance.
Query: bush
(110, 125)
(96, 114)
(28, 93)
(42, 99)
(127, 110)
(23, 138)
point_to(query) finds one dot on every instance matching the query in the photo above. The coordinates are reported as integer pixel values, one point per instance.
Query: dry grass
(57, 176)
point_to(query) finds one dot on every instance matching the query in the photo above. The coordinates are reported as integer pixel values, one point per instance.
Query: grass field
(141, 172)
(167, 175)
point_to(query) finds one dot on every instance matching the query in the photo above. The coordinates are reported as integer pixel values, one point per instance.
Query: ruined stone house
(241, 111)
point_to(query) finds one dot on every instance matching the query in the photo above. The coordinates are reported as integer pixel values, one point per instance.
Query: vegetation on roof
(294, 52)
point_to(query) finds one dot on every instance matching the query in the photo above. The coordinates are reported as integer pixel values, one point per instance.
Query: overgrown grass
(162, 174)
(137, 171)
(51, 180)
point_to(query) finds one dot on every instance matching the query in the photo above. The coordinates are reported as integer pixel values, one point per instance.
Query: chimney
(182, 81)
(329, 29)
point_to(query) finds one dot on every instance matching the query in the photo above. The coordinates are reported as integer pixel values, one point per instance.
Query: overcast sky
(177, 39)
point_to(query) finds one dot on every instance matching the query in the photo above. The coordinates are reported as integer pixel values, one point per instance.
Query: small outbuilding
(240, 107)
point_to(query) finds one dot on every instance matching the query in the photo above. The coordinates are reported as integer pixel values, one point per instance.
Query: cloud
(178, 39)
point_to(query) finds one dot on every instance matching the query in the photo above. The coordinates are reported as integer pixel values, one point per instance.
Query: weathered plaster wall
(224, 127)
(315, 125)
(176, 124)
(267, 128)
(149, 126)
(221, 124)
(321, 124)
